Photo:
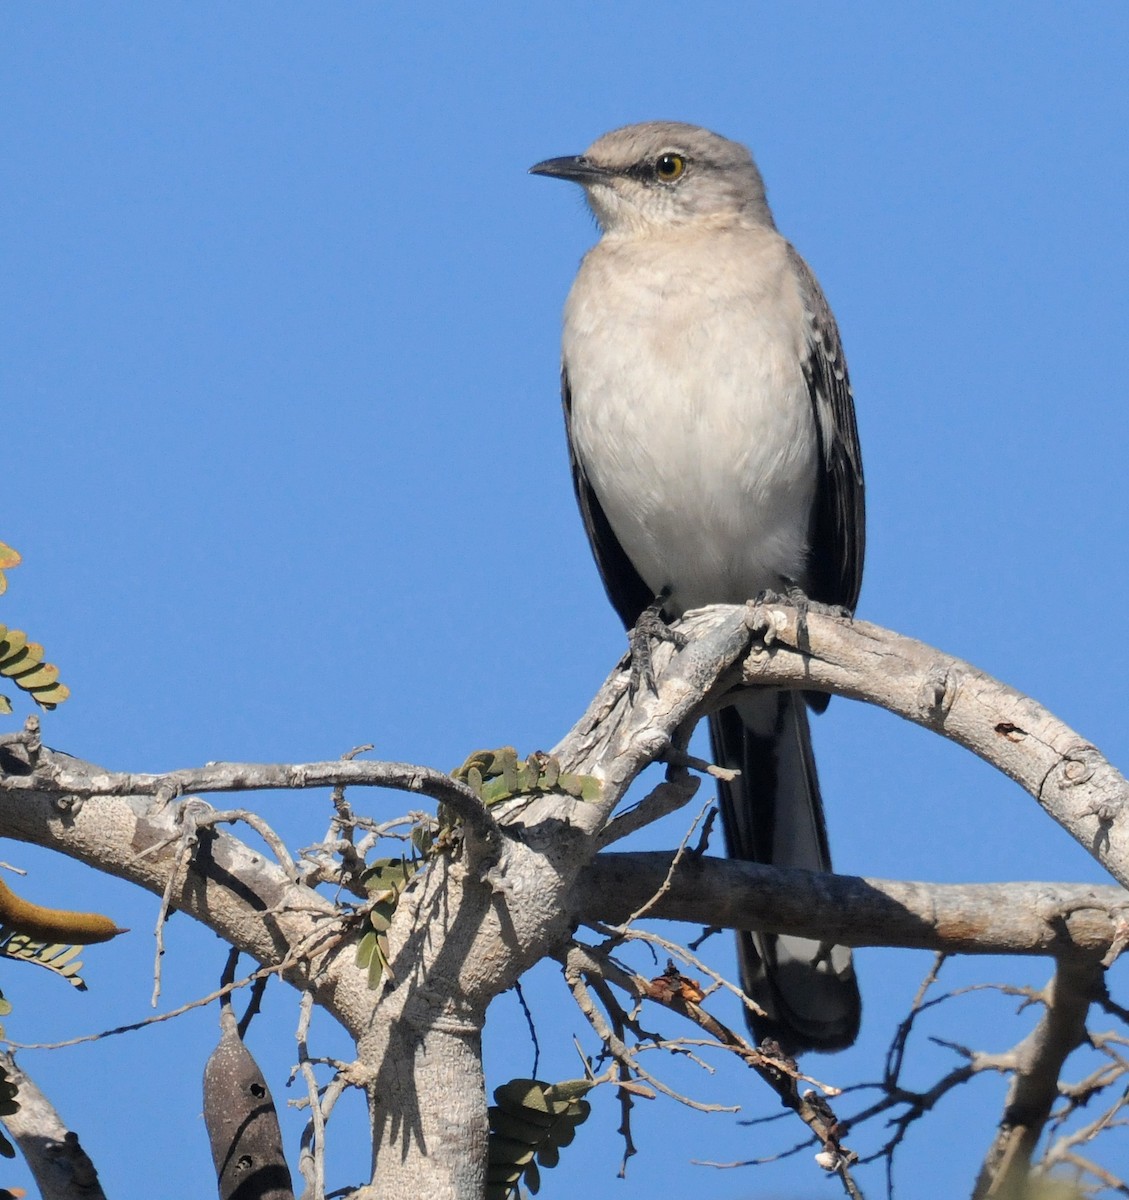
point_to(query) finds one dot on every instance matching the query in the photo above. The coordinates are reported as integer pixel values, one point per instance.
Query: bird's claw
(650, 627)
(797, 598)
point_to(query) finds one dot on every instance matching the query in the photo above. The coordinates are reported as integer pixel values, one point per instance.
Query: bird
(715, 458)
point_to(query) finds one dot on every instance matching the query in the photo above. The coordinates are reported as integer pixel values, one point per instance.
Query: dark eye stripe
(647, 170)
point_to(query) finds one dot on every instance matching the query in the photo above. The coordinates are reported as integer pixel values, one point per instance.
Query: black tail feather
(773, 813)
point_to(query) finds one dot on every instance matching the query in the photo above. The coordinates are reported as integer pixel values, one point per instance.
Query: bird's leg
(651, 626)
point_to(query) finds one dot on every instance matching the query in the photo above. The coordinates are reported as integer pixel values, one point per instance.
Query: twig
(622, 1068)
(895, 1055)
(204, 816)
(669, 796)
(186, 840)
(532, 1028)
(680, 758)
(626, 1104)
(340, 834)
(616, 1048)
(917, 1105)
(664, 887)
(676, 992)
(680, 994)
(1107, 1178)
(293, 956)
(201, 1002)
(311, 1159)
(616, 935)
(194, 815)
(1063, 1150)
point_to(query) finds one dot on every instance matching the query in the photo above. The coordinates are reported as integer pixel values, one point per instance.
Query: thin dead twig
(669, 796)
(616, 1048)
(311, 1158)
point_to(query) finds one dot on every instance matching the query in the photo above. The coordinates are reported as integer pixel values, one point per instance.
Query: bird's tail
(773, 813)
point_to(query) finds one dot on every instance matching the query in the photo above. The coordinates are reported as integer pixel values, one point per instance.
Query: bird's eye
(668, 167)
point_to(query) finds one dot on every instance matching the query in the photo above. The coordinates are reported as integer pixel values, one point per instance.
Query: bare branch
(1063, 1150)
(668, 797)
(683, 996)
(311, 1161)
(460, 936)
(255, 980)
(1063, 771)
(649, 904)
(266, 916)
(577, 964)
(1105, 1178)
(1039, 1059)
(67, 777)
(53, 1152)
(1001, 918)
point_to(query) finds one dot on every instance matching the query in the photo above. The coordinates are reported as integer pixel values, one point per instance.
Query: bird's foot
(797, 598)
(651, 627)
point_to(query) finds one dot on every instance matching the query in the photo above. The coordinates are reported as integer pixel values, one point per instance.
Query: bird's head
(662, 175)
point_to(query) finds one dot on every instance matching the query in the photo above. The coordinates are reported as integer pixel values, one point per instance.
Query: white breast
(690, 412)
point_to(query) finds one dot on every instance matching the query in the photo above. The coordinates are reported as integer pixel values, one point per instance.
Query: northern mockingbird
(714, 453)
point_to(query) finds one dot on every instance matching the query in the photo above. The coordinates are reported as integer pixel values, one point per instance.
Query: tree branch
(774, 645)
(1063, 771)
(990, 918)
(1034, 1087)
(460, 936)
(231, 888)
(53, 1152)
(68, 776)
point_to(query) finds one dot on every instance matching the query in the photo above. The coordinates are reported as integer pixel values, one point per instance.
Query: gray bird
(715, 456)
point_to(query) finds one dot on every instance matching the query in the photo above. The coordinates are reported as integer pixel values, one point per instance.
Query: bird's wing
(625, 587)
(838, 536)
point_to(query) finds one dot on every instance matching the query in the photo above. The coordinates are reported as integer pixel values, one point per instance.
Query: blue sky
(284, 456)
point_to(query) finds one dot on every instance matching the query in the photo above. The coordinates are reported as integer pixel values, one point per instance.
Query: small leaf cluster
(21, 660)
(498, 775)
(385, 879)
(530, 1122)
(62, 959)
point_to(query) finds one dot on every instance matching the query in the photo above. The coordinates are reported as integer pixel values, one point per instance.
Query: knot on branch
(1078, 765)
(938, 691)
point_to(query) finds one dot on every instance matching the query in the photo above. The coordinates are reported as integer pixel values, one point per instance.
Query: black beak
(574, 167)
